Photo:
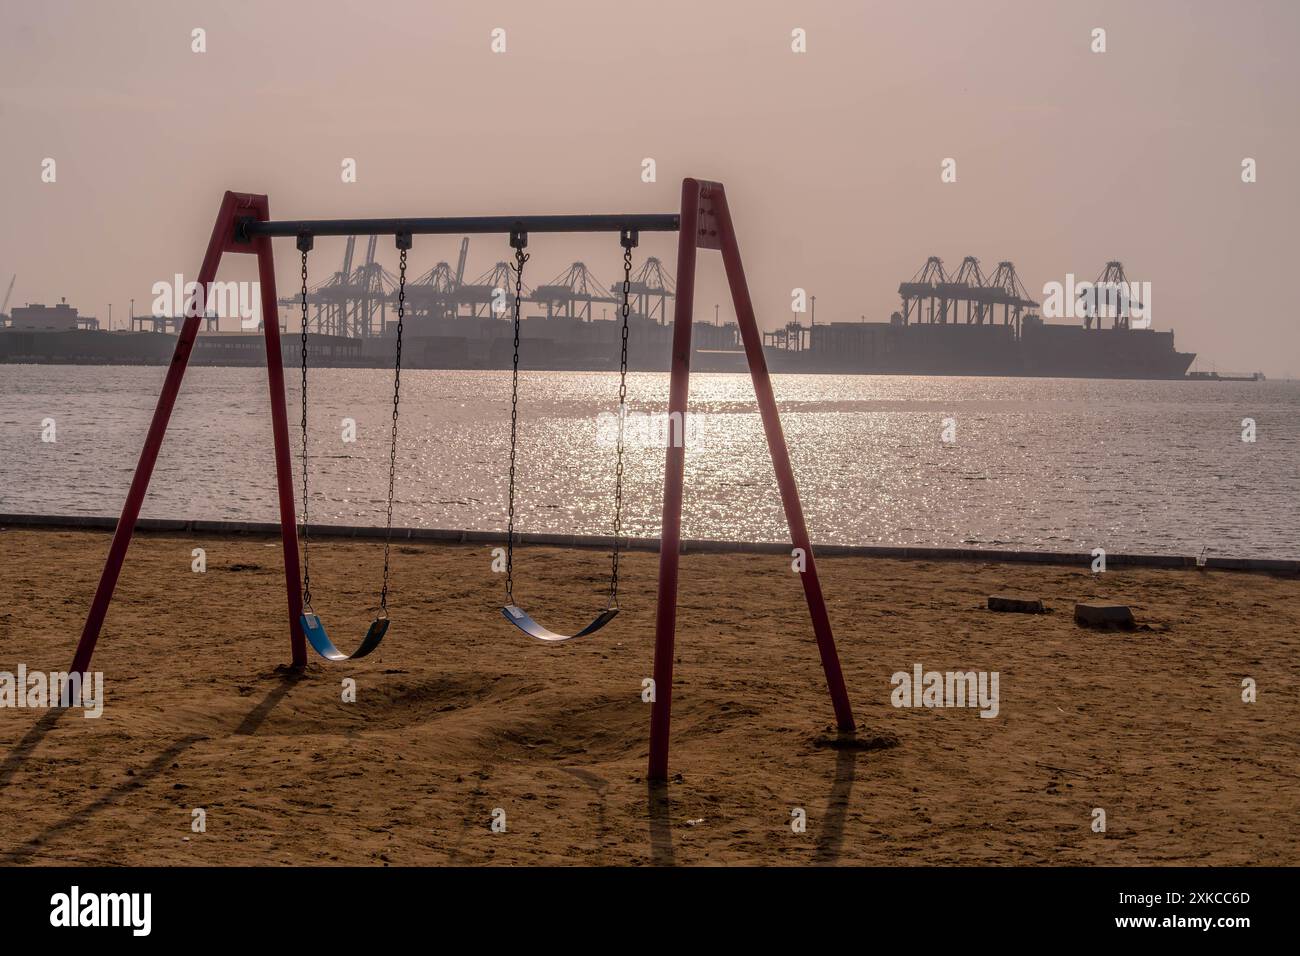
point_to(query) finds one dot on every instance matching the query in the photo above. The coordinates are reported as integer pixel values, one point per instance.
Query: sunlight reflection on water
(1038, 463)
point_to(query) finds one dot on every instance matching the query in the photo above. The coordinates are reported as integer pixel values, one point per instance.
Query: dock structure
(932, 296)
(968, 322)
(360, 301)
(964, 322)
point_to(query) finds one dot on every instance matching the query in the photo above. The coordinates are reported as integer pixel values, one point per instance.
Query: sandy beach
(458, 714)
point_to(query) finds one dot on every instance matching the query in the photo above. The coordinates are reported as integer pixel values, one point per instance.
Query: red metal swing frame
(704, 223)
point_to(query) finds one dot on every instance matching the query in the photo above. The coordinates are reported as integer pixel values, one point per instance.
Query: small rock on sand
(1013, 603)
(1091, 614)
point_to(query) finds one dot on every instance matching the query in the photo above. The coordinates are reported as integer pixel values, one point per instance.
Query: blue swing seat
(321, 643)
(522, 620)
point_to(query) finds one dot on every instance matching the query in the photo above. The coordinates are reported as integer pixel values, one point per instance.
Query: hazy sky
(1065, 157)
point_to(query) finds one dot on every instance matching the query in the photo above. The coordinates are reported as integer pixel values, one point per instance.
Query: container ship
(972, 324)
(963, 324)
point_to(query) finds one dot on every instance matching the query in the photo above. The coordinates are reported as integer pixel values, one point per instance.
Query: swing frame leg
(233, 206)
(706, 224)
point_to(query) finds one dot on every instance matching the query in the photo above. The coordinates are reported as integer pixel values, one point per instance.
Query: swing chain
(305, 244)
(518, 240)
(404, 244)
(628, 238)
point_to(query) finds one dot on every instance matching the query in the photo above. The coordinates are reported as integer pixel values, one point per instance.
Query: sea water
(1045, 464)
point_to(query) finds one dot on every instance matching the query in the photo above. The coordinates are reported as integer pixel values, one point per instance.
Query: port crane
(1008, 291)
(342, 274)
(924, 287)
(969, 286)
(351, 302)
(650, 291)
(371, 283)
(356, 299)
(494, 286)
(931, 296)
(433, 294)
(570, 294)
(1110, 283)
(460, 263)
(4, 307)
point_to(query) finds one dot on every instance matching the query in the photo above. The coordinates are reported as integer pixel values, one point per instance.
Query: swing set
(244, 226)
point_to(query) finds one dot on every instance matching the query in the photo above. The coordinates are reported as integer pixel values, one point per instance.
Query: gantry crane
(924, 286)
(1114, 285)
(571, 293)
(4, 307)
(969, 285)
(649, 292)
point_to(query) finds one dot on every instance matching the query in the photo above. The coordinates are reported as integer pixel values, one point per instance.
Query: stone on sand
(1095, 614)
(1015, 604)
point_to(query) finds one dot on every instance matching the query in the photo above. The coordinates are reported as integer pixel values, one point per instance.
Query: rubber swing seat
(321, 643)
(523, 620)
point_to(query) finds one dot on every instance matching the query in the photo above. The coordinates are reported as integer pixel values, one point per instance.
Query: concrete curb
(983, 555)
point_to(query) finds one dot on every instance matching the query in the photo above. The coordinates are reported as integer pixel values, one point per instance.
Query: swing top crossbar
(248, 228)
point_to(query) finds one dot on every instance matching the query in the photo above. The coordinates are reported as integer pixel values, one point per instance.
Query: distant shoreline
(697, 545)
(702, 363)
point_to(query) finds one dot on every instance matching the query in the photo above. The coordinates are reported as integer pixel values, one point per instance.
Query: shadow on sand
(24, 852)
(847, 746)
(660, 812)
(23, 749)
(830, 842)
